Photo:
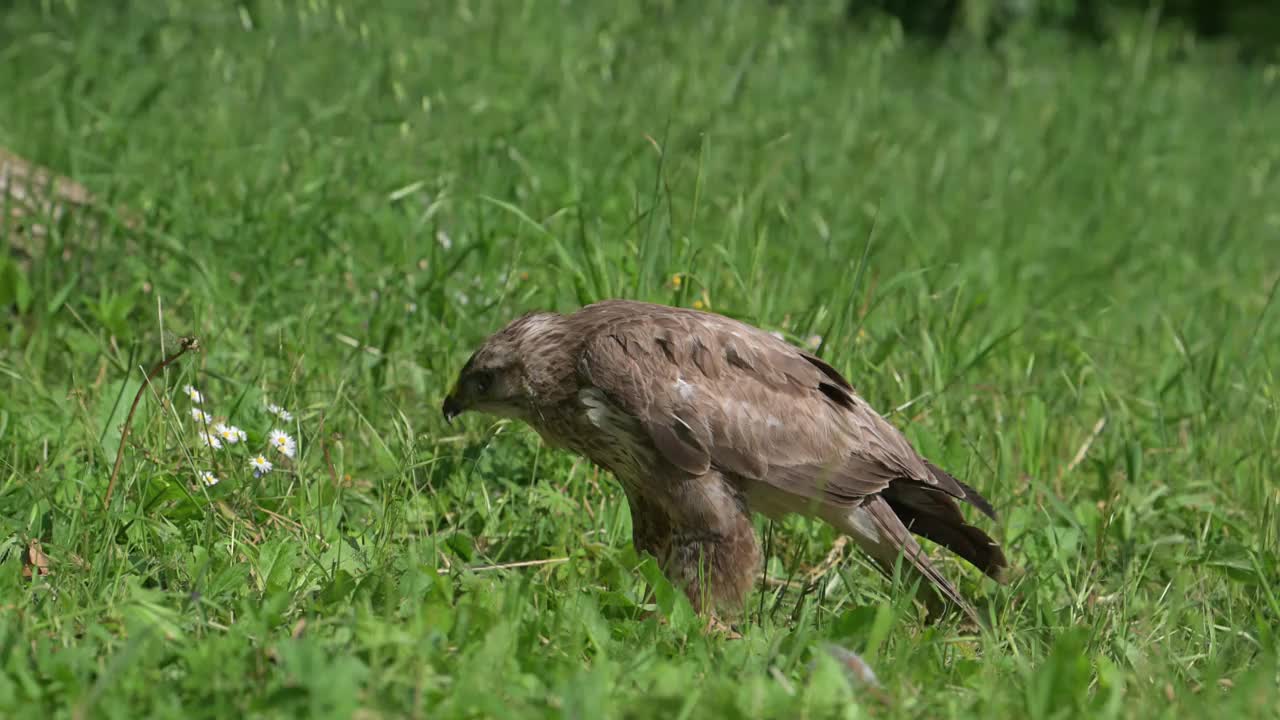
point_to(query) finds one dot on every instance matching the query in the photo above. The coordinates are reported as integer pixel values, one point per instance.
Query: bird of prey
(704, 420)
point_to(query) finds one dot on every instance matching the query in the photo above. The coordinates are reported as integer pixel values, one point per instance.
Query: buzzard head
(491, 382)
(509, 373)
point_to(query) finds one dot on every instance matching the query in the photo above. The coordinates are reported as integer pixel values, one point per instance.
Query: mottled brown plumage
(704, 420)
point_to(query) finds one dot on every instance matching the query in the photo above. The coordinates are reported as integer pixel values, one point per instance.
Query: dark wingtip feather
(934, 515)
(967, 541)
(974, 498)
(971, 496)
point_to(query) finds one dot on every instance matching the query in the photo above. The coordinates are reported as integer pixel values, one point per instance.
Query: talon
(714, 624)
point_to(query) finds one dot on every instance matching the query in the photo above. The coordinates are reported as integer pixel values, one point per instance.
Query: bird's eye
(482, 382)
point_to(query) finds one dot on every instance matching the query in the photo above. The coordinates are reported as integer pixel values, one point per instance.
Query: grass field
(1055, 267)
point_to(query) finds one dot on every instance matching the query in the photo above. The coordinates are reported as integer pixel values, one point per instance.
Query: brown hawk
(704, 420)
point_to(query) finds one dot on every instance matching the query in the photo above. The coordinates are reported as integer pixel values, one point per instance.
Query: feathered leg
(704, 542)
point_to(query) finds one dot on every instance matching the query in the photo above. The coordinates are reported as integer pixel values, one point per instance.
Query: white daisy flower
(211, 440)
(193, 394)
(260, 465)
(208, 478)
(284, 444)
(813, 342)
(201, 416)
(279, 412)
(230, 434)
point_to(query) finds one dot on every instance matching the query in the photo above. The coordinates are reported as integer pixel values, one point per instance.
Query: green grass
(1008, 247)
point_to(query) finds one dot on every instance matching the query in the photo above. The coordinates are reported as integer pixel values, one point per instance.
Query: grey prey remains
(704, 420)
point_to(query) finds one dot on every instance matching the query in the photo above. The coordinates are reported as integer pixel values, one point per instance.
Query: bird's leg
(650, 528)
(715, 625)
(705, 544)
(716, 569)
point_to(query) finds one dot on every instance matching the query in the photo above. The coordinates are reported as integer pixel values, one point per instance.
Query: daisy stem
(189, 342)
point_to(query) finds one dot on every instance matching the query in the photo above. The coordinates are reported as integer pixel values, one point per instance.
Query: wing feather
(714, 392)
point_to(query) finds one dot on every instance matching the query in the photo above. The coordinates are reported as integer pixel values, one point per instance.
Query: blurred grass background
(1052, 262)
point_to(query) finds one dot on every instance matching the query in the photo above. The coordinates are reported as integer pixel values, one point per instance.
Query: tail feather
(881, 534)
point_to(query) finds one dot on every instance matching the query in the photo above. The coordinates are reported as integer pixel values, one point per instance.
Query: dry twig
(508, 566)
(1084, 448)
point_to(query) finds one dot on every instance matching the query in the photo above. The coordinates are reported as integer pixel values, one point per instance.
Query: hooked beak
(451, 409)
